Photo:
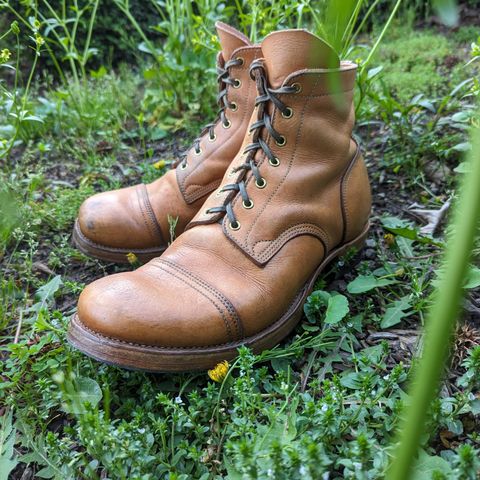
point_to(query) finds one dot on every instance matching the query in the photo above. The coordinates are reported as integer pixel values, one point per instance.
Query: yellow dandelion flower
(5, 55)
(389, 239)
(160, 164)
(132, 258)
(220, 371)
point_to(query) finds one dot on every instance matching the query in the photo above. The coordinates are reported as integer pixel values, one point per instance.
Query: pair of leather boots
(269, 193)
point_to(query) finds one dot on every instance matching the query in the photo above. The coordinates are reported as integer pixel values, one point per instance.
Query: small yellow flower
(160, 164)
(5, 55)
(39, 40)
(389, 239)
(220, 371)
(132, 258)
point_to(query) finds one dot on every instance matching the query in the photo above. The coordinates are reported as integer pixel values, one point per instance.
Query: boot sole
(167, 359)
(110, 254)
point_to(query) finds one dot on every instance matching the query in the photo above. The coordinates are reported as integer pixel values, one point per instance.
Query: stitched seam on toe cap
(212, 301)
(218, 295)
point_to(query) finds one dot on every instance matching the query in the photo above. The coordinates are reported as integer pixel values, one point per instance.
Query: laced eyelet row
(225, 80)
(264, 121)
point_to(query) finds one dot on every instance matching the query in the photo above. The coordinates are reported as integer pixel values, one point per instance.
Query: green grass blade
(442, 317)
(380, 37)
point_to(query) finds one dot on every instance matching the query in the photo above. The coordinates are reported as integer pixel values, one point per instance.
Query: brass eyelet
(263, 183)
(297, 87)
(288, 113)
(218, 192)
(235, 226)
(231, 173)
(237, 83)
(183, 166)
(212, 139)
(275, 162)
(227, 124)
(197, 152)
(282, 142)
(241, 60)
(248, 206)
(233, 106)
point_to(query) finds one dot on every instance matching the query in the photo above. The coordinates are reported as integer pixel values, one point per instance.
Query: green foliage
(7, 441)
(412, 64)
(324, 403)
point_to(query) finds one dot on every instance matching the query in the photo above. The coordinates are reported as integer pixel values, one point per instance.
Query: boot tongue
(230, 39)
(288, 51)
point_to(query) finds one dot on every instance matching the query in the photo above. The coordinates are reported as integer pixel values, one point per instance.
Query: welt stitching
(224, 300)
(151, 347)
(151, 214)
(225, 321)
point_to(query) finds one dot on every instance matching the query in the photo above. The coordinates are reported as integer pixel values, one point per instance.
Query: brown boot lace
(264, 121)
(224, 79)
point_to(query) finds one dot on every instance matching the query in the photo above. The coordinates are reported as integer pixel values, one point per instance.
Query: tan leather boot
(295, 197)
(135, 219)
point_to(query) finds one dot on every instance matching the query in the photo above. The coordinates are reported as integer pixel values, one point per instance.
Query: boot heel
(358, 242)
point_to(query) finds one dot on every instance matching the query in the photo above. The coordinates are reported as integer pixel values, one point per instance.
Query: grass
(326, 402)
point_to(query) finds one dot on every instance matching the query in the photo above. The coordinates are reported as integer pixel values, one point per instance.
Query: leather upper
(217, 285)
(137, 217)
